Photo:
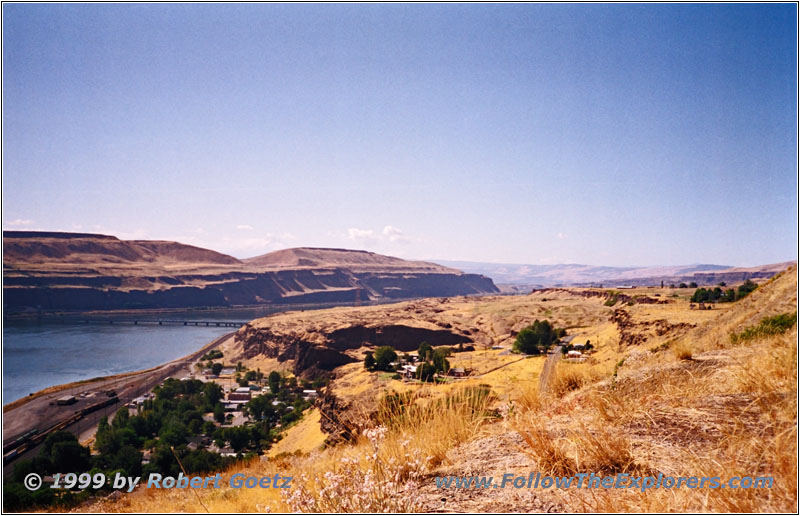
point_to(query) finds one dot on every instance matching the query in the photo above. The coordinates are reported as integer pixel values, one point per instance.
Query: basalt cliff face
(316, 351)
(78, 271)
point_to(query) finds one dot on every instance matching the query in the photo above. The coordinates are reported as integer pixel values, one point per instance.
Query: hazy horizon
(615, 134)
(450, 262)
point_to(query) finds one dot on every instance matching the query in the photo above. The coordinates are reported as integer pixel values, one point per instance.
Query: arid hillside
(354, 260)
(31, 248)
(667, 390)
(572, 274)
(74, 271)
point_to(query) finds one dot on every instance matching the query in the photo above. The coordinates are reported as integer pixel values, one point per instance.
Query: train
(19, 440)
(33, 437)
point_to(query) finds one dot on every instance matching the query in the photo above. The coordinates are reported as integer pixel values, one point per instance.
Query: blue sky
(551, 133)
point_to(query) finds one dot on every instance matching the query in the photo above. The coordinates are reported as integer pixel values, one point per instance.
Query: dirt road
(549, 369)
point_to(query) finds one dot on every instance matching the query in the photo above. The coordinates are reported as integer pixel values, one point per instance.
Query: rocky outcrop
(632, 333)
(336, 420)
(64, 271)
(317, 352)
(398, 336)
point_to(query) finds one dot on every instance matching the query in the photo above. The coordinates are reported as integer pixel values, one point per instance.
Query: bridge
(154, 322)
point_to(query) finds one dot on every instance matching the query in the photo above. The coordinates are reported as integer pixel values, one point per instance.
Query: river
(36, 356)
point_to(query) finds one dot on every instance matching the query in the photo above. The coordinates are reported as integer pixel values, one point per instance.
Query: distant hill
(80, 271)
(586, 275)
(327, 257)
(31, 247)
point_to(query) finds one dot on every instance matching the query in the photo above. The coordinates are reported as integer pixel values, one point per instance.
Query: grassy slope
(697, 406)
(687, 402)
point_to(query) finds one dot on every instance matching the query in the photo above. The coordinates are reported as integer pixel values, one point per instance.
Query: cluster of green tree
(286, 393)
(569, 347)
(432, 361)
(249, 376)
(381, 359)
(537, 338)
(60, 453)
(212, 355)
(717, 295)
(164, 426)
(168, 421)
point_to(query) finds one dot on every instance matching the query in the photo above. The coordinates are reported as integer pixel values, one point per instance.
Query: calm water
(37, 356)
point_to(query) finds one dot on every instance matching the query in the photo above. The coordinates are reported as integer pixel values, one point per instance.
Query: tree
(369, 361)
(537, 337)
(128, 459)
(173, 433)
(426, 372)
(440, 363)
(121, 418)
(274, 380)
(238, 436)
(683, 285)
(722, 284)
(216, 368)
(745, 288)
(693, 285)
(219, 414)
(384, 355)
(424, 350)
(208, 428)
(70, 456)
(730, 296)
(527, 342)
(260, 408)
(213, 393)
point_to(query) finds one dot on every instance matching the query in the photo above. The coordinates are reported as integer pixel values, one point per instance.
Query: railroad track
(138, 384)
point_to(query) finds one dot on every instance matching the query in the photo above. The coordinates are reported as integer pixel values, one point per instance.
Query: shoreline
(31, 315)
(54, 389)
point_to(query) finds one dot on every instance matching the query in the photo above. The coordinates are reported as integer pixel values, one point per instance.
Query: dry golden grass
(729, 411)
(570, 377)
(304, 437)
(527, 396)
(376, 473)
(682, 351)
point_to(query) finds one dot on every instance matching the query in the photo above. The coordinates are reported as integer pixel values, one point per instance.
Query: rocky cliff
(71, 271)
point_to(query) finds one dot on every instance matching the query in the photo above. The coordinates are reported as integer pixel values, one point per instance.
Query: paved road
(549, 369)
(39, 414)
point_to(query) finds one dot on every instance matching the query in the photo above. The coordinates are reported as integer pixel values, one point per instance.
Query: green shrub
(384, 355)
(369, 361)
(703, 295)
(536, 338)
(774, 325)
